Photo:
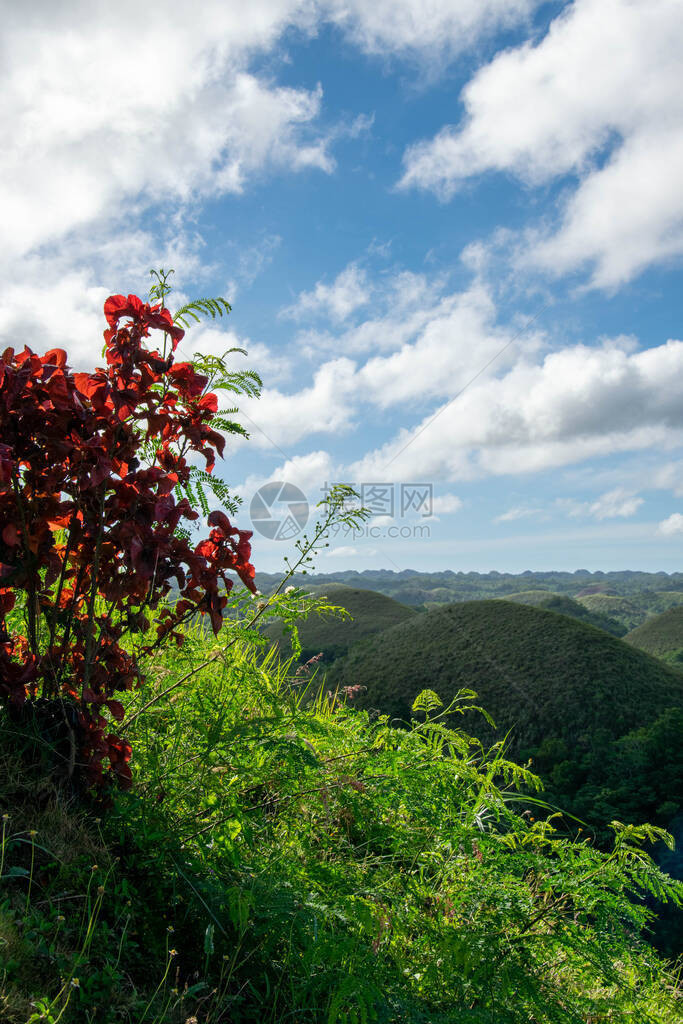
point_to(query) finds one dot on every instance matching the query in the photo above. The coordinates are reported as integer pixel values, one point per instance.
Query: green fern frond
(227, 426)
(201, 308)
(245, 382)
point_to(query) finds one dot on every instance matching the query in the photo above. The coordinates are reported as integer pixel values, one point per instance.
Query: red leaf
(11, 537)
(55, 357)
(116, 708)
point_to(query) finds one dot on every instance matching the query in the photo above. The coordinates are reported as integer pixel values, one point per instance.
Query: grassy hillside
(661, 636)
(568, 692)
(282, 861)
(634, 610)
(371, 613)
(622, 609)
(566, 606)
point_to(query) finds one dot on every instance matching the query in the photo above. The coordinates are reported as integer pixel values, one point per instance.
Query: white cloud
(337, 301)
(310, 472)
(576, 404)
(616, 504)
(346, 551)
(517, 512)
(55, 298)
(599, 97)
(672, 525)
(446, 504)
(668, 477)
(278, 419)
(416, 26)
(457, 339)
(403, 303)
(171, 112)
(270, 365)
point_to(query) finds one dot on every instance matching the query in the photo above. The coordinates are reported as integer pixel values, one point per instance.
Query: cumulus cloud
(416, 26)
(171, 111)
(455, 341)
(598, 97)
(452, 342)
(279, 419)
(575, 404)
(337, 301)
(310, 472)
(672, 525)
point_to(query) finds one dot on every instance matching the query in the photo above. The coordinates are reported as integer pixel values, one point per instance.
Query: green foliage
(283, 857)
(565, 692)
(201, 308)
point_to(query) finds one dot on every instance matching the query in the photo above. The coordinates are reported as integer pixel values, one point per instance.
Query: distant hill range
(627, 598)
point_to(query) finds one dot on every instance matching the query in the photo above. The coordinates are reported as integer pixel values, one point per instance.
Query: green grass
(282, 857)
(368, 611)
(566, 606)
(564, 691)
(661, 636)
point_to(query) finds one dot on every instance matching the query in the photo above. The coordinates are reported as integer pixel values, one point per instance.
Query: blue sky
(451, 232)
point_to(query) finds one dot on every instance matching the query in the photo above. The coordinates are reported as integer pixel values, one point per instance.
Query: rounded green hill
(564, 605)
(535, 671)
(661, 636)
(581, 702)
(371, 613)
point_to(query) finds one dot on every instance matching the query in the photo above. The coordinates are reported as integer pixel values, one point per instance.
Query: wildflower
(5, 817)
(170, 929)
(173, 952)
(261, 605)
(289, 590)
(100, 889)
(33, 833)
(351, 692)
(60, 918)
(75, 983)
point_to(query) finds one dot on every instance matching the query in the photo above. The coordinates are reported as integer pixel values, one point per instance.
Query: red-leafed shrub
(89, 539)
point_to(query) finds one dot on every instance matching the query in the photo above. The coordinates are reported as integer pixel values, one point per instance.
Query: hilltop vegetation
(566, 606)
(661, 636)
(570, 695)
(369, 613)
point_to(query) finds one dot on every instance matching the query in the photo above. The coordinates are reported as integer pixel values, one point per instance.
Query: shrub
(90, 534)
